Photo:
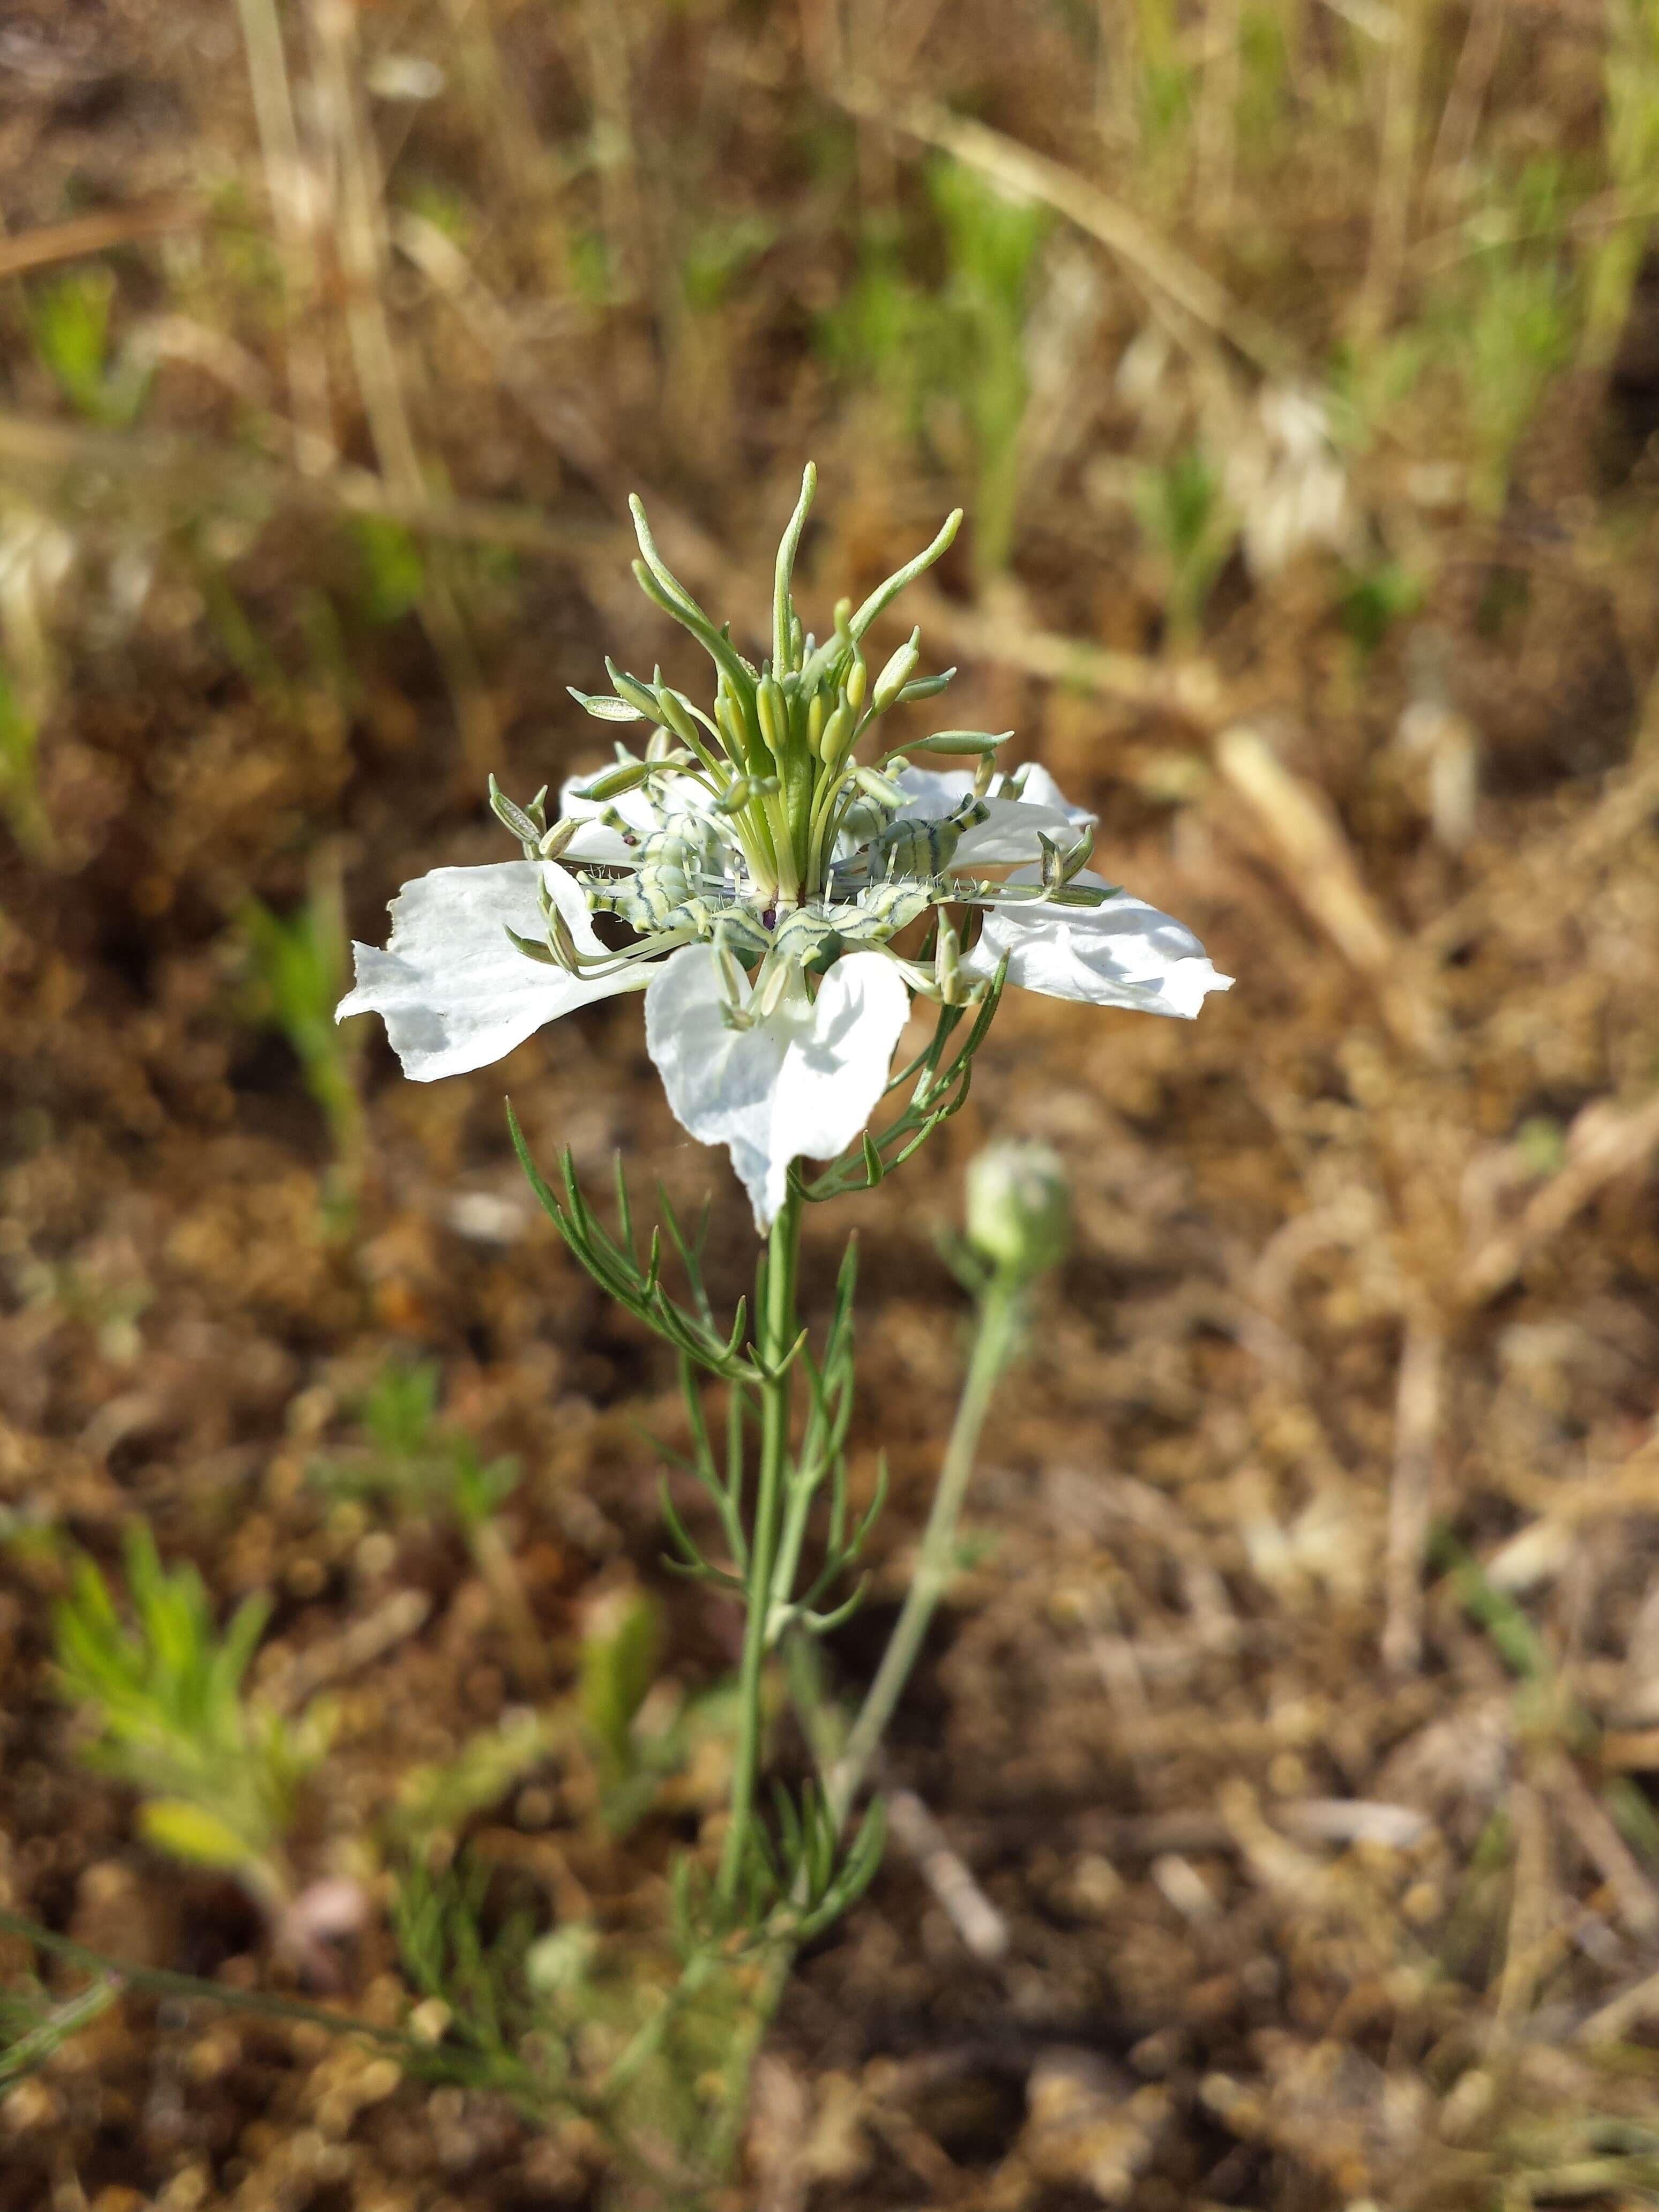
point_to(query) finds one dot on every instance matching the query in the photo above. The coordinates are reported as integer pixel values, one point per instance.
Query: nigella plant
(785, 887)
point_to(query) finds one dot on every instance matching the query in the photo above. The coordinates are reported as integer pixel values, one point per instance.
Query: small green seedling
(874, 334)
(217, 1774)
(992, 240)
(299, 969)
(1548, 1712)
(20, 772)
(425, 1470)
(415, 1462)
(1519, 334)
(1374, 599)
(1186, 520)
(393, 570)
(962, 344)
(570, 2019)
(638, 1742)
(1164, 92)
(71, 323)
(1631, 142)
(436, 1801)
(719, 254)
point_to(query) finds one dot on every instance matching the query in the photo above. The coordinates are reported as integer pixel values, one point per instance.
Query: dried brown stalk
(55, 242)
(1416, 1437)
(1306, 843)
(362, 251)
(293, 189)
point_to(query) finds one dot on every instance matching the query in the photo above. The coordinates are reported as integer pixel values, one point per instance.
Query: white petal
(804, 1080)
(455, 992)
(596, 842)
(933, 792)
(1124, 953)
(1038, 788)
(1010, 831)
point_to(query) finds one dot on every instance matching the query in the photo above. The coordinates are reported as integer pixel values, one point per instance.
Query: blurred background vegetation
(1275, 1811)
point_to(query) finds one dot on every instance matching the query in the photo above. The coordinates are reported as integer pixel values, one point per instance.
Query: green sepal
(532, 948)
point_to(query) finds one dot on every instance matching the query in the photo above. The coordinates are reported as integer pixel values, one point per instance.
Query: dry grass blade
(82, 235)
(1533, 1936)
(1604, 1143)
(971, 1913)
(1411, 1492)
(293, 189)
(84, 466)
(1191, 691)
(363, 249)
(1591, 1827)
(1170, 280)
(1305, 840)
(1391, 206)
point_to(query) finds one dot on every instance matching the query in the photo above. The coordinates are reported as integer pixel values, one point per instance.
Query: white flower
(1121, 953)
(768, 876)
(766, 1065)
(803, 1079)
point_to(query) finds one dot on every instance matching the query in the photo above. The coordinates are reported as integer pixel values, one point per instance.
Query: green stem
(994, 1340)
(774, 1310)
(160, 1982)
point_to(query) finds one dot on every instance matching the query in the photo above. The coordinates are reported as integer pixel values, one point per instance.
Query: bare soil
(1297, 1896)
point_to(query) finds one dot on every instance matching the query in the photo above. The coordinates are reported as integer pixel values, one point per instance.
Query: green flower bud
(632, 692)
(678, 715)
(897, 673)
(960, 741)
(925, 687)
(1018, 1208)
(875, 785)
(857, 676)
(772, 711)
(628, 776)
(837, 741)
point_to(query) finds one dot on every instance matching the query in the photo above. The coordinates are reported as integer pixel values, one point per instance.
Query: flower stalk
(775, 1306)
(996, 1337)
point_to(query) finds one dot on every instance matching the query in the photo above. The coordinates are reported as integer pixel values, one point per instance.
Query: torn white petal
(1123, 953)
(454, 990)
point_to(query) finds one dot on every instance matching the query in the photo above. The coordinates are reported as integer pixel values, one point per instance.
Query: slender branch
(994, 1340)
(161, 1981)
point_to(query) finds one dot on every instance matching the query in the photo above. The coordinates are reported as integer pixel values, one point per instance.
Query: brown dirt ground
(1307, 1902)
